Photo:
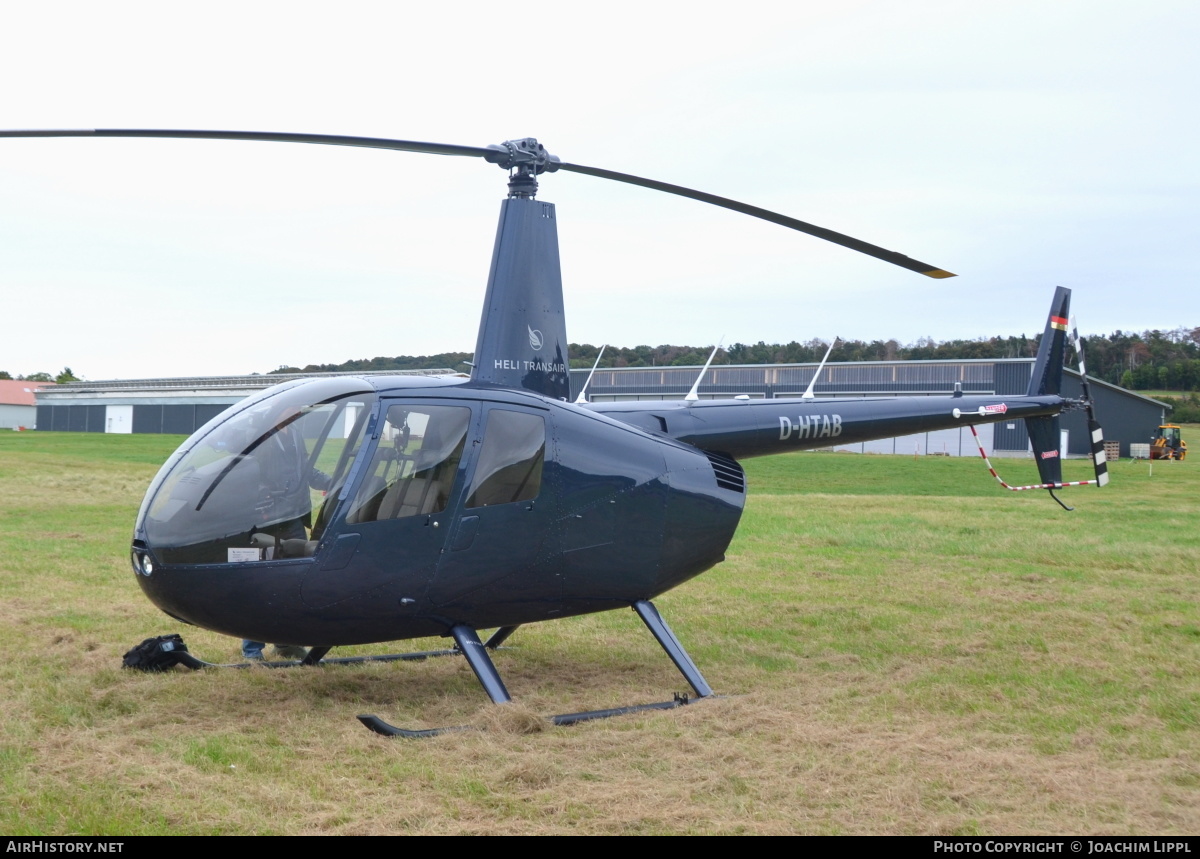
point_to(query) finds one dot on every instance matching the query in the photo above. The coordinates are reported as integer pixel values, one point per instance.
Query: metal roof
(201, 383)
(18, 392)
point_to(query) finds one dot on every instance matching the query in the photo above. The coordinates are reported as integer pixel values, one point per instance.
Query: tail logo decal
(1058, 322)
(535, 339)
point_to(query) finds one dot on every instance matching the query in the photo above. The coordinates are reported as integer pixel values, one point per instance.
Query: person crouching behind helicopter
(286, 476)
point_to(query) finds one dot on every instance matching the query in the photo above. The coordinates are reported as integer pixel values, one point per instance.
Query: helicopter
(357, 510)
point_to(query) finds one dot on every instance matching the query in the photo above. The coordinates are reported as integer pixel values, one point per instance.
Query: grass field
(905, 647)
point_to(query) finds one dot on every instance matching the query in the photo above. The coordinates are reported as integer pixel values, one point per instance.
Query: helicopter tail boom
(748, 428)
(745, 428)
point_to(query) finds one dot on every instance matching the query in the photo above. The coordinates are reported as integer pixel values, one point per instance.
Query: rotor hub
(524, 159)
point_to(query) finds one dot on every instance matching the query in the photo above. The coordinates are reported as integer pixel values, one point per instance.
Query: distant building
(18, 405)
(178, 406)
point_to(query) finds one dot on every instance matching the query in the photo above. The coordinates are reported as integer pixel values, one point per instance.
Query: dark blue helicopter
(342, 511)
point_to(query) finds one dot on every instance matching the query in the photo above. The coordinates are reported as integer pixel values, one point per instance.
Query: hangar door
(950, 442)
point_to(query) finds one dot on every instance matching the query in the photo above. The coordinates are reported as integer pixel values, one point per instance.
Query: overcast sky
(1021, 145)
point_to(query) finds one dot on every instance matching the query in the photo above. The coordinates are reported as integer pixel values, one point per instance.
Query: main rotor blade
(272, 136)
(500, 155)
(765, 214)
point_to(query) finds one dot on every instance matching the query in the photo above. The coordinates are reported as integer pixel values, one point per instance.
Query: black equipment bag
(161, 653)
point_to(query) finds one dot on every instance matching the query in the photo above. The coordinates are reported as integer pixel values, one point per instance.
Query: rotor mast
(522, 341)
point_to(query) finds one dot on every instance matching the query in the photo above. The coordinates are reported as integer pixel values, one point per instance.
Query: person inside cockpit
(286, 475)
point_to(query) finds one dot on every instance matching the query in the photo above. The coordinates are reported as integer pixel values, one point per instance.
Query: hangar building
(179, 406)
(183, 405)
(18, 408)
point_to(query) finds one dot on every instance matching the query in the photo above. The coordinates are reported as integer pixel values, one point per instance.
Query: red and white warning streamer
(1000, 480)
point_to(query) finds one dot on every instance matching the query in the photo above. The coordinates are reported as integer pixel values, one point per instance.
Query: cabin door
(396, 524)
(502, 545)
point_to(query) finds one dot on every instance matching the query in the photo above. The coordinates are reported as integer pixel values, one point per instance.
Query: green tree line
(1150, 360)
(65, 376)
(442, 361)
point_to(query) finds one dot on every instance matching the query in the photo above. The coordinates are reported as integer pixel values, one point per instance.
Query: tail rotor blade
(1095, 431)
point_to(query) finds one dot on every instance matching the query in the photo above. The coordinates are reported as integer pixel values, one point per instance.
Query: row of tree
(1185, 409)
(1150, 360)
(65, 376)
(445, 360)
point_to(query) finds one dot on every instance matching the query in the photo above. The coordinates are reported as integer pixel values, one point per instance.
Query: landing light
(142, 563)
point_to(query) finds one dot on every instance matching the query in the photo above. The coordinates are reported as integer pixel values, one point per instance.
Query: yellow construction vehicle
(1168, 444)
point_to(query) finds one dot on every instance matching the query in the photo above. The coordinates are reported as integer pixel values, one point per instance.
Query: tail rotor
(1095, 432)
(1044, 432)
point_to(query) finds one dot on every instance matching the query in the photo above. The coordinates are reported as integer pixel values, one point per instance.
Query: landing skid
(320, 652)
(379, 726)
(315, 656)
(481, 663)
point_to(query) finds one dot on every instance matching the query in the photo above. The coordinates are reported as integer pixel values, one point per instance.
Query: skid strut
(477, 657)
(667, 640)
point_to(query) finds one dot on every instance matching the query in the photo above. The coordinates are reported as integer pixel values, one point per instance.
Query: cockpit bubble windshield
(261, 484)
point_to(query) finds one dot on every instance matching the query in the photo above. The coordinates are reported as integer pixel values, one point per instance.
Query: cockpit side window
(414, 466)
(337, 456)
(511, 459)
(247, 487)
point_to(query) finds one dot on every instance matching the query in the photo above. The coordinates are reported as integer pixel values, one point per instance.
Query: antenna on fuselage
(693, 394)
(582, 398)
(808, 393)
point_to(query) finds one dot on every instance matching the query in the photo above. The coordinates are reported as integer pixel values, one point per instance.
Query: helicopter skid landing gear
(316, 656)
(471, 647)
(667, 640)
(481, 663)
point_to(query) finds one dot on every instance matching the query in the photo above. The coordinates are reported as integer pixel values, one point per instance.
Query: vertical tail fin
(1045, 433)
(1047, 369)
(1045, 436)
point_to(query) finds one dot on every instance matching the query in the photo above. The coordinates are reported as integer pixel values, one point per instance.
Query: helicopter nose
(253, 600)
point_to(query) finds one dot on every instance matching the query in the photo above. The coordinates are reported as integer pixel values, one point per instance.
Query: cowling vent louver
(728, 473)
